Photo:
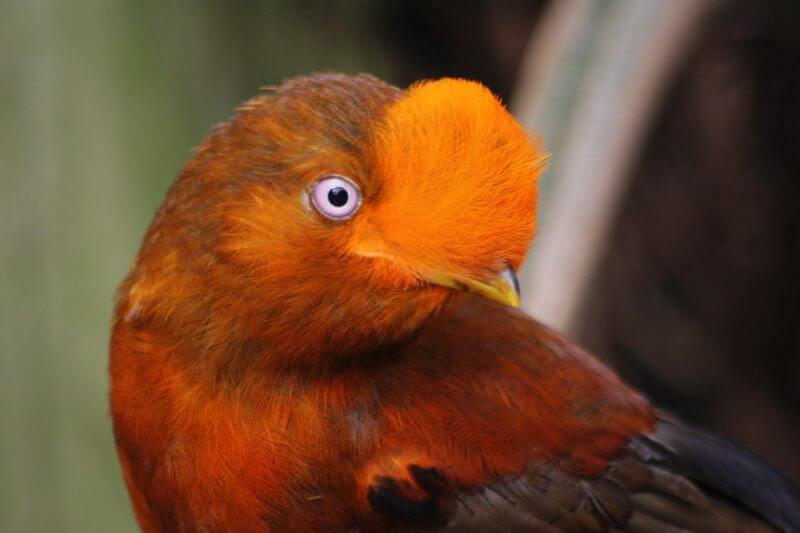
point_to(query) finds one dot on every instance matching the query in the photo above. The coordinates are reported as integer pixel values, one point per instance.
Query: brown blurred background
(669, 235)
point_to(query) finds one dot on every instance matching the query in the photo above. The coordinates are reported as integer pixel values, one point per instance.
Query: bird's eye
(336, 197)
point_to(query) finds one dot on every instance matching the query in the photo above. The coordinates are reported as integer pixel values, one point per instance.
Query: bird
(321, 332)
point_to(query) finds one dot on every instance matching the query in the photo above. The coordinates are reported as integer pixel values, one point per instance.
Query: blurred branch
(593, 78)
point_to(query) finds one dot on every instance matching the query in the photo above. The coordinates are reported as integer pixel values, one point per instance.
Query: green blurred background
(104, 100)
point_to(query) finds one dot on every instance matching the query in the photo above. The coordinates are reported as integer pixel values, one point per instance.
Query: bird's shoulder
(546, 438)
(642, 488)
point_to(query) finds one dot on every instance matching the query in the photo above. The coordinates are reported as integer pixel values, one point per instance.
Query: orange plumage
(274, 368)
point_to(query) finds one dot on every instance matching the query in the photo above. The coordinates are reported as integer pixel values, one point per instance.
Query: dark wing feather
(731, 470)
(676, 479)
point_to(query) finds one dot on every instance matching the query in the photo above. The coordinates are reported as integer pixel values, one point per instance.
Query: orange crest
(458, 182)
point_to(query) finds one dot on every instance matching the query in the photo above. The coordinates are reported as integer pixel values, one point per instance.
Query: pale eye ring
(335, 197)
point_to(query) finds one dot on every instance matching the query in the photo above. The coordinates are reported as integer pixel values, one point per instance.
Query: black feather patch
(387, 497)
(731, 470)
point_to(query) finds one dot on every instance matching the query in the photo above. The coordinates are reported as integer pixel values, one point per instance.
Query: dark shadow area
(478, 39)
(697, 300)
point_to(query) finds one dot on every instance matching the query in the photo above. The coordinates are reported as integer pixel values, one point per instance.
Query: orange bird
(320, 333)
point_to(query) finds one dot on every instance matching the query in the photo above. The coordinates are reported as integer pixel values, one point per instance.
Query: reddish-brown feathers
(268, 365)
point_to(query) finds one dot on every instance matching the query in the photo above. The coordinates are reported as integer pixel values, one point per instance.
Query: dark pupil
(337, 196)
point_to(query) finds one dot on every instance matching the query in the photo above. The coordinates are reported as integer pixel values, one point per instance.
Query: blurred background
(669, 234)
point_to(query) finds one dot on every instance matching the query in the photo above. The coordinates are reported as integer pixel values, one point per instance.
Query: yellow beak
(503, 287)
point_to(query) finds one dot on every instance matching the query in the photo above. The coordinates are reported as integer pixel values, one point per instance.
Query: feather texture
(275, 370)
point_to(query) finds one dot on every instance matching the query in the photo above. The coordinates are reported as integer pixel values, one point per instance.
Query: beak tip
(511, 275)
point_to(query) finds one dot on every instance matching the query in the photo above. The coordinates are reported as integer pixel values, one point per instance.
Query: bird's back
(482, 420)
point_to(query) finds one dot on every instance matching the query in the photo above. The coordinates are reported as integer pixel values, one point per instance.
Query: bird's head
(337, 213)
